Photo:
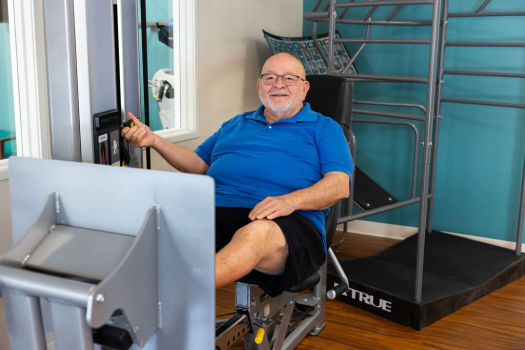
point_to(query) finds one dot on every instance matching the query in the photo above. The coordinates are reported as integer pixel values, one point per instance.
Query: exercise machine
(94, 266)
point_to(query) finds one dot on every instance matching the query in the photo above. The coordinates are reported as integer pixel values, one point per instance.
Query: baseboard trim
(400, 232)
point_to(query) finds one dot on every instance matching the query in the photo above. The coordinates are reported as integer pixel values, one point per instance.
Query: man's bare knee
(268, 243)
(262, 232)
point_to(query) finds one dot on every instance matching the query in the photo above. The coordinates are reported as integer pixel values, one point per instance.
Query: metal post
(331, 36)
(519, 235)
(432, 70)
(70, 327)
(24, 318)
(437, 120)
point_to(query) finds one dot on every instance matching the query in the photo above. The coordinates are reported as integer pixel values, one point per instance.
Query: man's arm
(332, 187)
(180, 158)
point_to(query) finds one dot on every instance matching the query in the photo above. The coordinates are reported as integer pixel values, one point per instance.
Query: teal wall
(481, 148)
(7, 121)
(159, 55)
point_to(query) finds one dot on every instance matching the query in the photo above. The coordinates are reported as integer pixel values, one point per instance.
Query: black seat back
(332, 96)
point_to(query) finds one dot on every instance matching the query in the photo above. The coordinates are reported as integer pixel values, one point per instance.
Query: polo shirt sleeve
(205, 149)
(334, 154)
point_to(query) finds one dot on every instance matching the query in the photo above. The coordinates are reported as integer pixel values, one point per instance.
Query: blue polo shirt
(251, 159)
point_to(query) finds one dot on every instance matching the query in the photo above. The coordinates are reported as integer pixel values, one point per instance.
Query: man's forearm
(321, 195)
(181, 158)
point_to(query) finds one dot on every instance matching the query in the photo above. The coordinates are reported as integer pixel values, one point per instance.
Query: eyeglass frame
(282, 78)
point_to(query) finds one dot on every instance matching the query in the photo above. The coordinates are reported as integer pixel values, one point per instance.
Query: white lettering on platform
(368, 299)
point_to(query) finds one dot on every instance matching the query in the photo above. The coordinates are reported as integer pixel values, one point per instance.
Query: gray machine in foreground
(97, 245)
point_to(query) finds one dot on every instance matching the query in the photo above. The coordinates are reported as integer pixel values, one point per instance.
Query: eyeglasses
(288, 79)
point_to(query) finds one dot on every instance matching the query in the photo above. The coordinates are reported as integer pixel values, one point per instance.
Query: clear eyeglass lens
(288, 79)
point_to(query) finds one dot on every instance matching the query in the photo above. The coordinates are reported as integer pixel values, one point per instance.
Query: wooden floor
(494, 322)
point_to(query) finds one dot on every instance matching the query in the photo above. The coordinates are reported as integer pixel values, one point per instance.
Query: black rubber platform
(457, 271)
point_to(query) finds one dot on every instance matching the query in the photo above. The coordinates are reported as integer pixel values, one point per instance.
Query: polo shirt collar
(304, 115)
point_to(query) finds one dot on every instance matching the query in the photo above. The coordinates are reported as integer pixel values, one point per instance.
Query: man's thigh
(227, 221)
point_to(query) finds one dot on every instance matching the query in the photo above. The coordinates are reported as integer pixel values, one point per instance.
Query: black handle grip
(337, 291)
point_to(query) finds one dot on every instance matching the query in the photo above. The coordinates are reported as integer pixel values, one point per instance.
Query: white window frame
(184, 68)
(29, 80)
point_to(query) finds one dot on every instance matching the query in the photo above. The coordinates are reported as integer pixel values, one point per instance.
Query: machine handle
(336, 291)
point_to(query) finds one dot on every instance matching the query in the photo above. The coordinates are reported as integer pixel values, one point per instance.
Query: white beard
(276, 109)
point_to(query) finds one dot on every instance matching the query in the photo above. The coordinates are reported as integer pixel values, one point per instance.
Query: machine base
(457, 271)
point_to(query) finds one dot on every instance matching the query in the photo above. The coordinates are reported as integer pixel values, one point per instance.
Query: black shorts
(306, 251)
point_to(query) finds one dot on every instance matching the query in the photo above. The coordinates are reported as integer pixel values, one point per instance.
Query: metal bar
(425, 168)
(331, 36)
(486, 14)
(519, 235)
(385, 3)
(482, 7)
(156, 24)
(24, 320)
(145, 78)
(437, 120)
(70, 327)
(316, 16)
(337, 266)
(368, 14)
(343, 13)
(370, 212)
(485, 74)
(47, 286)
(416, 144)
(324, 18)
(484, 103)
(358, 50)
(388, 114)
(485, 44)
(384, 41)
(349, 202)
(394, 12)
(385, 78)
(396, 104)
(299, 333)
(316, 5)
(316, 43)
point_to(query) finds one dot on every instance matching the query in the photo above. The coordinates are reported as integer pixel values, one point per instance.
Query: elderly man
(277, 169)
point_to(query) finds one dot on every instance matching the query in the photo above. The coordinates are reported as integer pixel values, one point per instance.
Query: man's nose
(279, 82)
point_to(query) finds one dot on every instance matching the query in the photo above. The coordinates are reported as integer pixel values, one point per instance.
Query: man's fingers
(260, 207)
(135, 119)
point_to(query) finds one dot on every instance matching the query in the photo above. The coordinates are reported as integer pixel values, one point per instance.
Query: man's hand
(140, 135)
(324, 193)
(273, 207)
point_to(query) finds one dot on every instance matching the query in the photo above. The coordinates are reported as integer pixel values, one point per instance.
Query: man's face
(279, 98)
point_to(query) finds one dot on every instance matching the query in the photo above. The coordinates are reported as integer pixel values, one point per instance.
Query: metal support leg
(519, 235)
(320, 292)
(71, 328)
(25, 321)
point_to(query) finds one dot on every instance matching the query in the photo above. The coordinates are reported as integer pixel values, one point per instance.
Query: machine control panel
(106, 137)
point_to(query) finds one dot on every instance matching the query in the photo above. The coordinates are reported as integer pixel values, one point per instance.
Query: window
(7, 118)
(171, 36)
(24, 98)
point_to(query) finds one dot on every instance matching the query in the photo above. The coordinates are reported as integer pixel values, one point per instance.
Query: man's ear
(306, 88)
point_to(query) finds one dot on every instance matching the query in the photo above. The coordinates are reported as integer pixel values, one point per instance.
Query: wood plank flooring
(496, 321)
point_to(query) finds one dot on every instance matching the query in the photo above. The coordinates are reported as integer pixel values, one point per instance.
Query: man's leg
(260, 245)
